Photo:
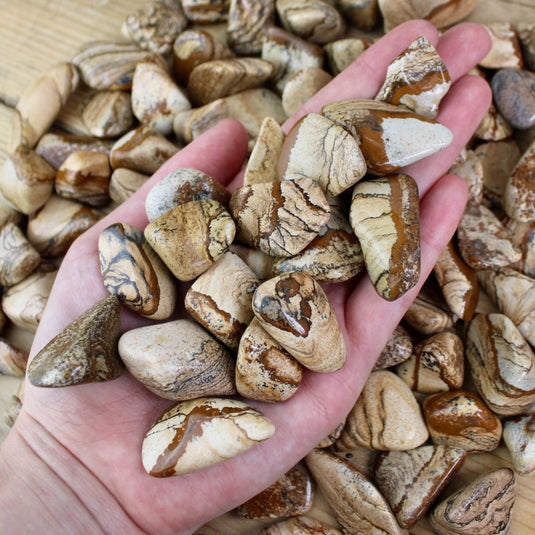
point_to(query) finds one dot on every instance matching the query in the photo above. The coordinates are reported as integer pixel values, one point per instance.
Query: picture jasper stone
(398, 348)
(302, 525)
(301, 87)
(428, 314)
(519, 195)
(84, 352)
(294, 309)
(196, 434)
(519, 437)
(505, 48)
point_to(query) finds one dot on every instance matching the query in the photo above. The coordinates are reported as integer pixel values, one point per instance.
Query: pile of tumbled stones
(287, 230)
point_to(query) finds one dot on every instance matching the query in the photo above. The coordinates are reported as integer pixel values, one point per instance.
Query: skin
(72, 462)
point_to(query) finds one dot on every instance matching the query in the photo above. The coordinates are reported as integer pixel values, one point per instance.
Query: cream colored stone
(343, 52)
(108, 114)
(505, 49)
(13, 360)
(428, 314)
(206, 11)
(519, 437)
(124, 183)
(302, 86)
(18, 257)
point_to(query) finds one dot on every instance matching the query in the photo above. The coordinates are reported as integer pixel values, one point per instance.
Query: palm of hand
(91, 435)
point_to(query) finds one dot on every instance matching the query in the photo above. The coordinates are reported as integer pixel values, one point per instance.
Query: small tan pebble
(303, 85)
(262, 163)
(13, 360)
(482, 506)
(281, 218)
(84, 176)
(437, 364)
(428, 314)
(60, 221)
(332, 437)
(519, 437)
(526, 36)
(519, 195)
(25, 302)
(319, 149)
(291, 495)
(206, 11)
(247, 22)
(384, 217)
(219, 78)
(190, 237)
(220, 299)
(289, 54)
(502, 364)
(143, 150)
(342, 52)
(259, 262)
(315, 20)
(417, 79)
(265, 371)
(386, 416)
(133, 272)
(196, 434)
(493, 126)
(124, 183)
(483, 241)
(40, 104)
(460, 419)
(391, 136)
(470, 167)
(294, 309)
(156, 98)
(108, 65)
(189, 124)
(398, 348)
(357, 504)
(411, 480)
(300, 525)
(108, 114)
(458, 283)
(18, 257)
(8, 213)
(178, 360)
(181, 186)
(505, 49)
(363, 14)
(441, 13)
(84, 352)
(155, 26)
(26, 180)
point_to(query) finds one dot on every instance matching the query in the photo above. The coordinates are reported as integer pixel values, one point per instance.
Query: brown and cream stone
(294, 309)
(13, 359)
(398, 348)
(302, 86)
(523, 236)
(108, 114)
(470, 167)
(18, 256)
(519, 194)
(196, 434)
(259, 262)
(364, 14)
(302, 525)
(505, 48)
(124, 183)
(519, 437)
(384, 216)
(342, 52)
(428, 313)
(206, 11)
(190, 124)
(493, 126)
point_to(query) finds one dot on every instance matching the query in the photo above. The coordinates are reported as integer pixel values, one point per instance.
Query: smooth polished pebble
(300, 525)
(294, 309)
(460, 419)
(519, 194)
(196, 434)
(265, 371)
(178, 360)
(428, 313)
(386, 416)
(519, 437)
(206, 11)
(417, 79)
(124, 183)
(84, 352)
(302, 86)
(191, 237)
(357, 504)
(391, 136)
(524, 238)
(384, 216)
(502, 364)
(259, 262)
(482, 506)
(411, 480)
(364, 14)
(505, 51)
(108, 114)
(291, 495)
(342, 52)
(398, 348)
(493, 126)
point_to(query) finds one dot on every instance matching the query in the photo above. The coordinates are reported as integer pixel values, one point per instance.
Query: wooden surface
(35, 34)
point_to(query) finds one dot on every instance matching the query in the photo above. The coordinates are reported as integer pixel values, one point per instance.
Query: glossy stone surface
(397, 349)
(519, 437)
(428, 313)
(513, 94)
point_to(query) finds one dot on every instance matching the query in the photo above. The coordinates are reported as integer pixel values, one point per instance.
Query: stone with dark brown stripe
(206, 11)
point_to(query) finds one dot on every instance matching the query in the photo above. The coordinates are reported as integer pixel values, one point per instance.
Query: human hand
(83, 444)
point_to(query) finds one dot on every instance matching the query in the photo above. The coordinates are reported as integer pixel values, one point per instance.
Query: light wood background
(35, 34)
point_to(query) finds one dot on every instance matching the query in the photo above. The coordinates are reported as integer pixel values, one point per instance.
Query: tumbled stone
(181, 186)
(84, 352)
(482, 506)
(526, 35)
(290, 495)
(493, 126)
(505, 49)
(357, 504)
(178, 360)
(13, 359)
(196, 434)
(436, 365)
(18, 257)
(302, 86)
(416, 79)
(384, 216)
(108, 114)
(190, 124)
(332, 437)
(519, 437)
(519, 194)
(124, 183)
(220, 299)
(265, 371)
(391, 136)
(281, 218)
(342, 52)
(319, 149)
(397, 349)
(523, 236)
(190, 237)
(460, 419)
(470, 167)
(502, 363)
(206, 11)
(259, 262)
(386, 416)
(301, 525)
(513, 94)
(364, 14)
(428, 314)
(294, 309)
(411, 480)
